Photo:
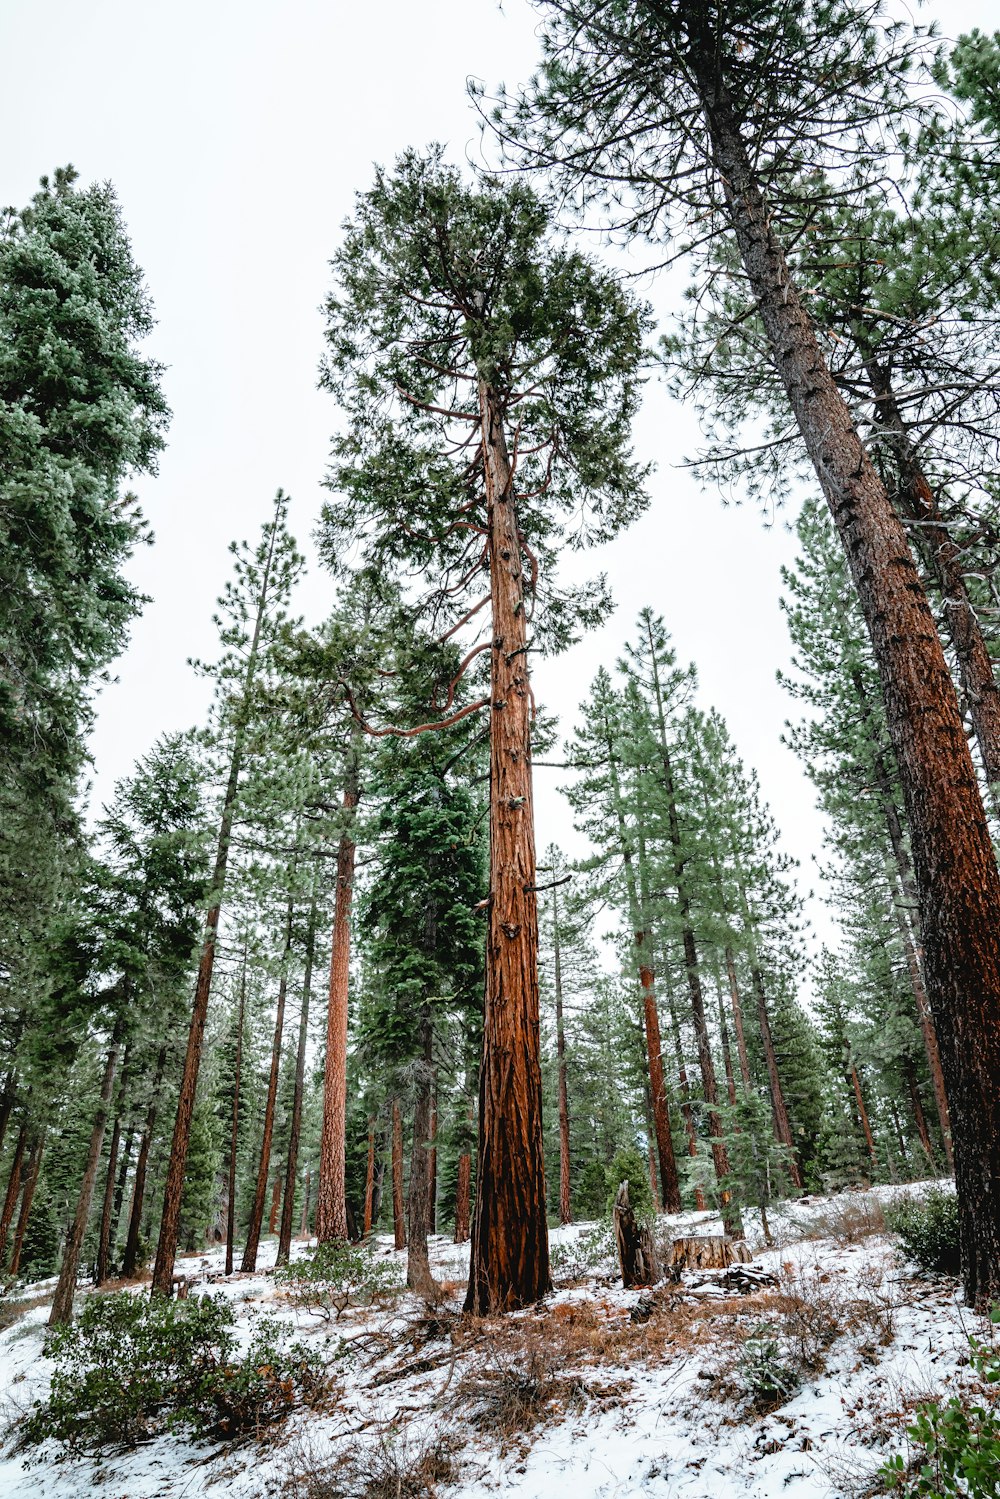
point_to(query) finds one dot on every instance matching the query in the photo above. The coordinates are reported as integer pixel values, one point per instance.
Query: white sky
(236, 135)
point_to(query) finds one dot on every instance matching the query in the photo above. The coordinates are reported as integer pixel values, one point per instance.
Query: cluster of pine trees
(306, 974)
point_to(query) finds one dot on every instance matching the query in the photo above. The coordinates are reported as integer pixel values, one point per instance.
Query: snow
(642, 1408)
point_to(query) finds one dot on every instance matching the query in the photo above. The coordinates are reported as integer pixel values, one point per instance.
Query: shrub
(132, 1366)
(958, 1444)
(592, 1250)
(767, 1379)
(628, 1165)
(928, 1230)
(334, 1276)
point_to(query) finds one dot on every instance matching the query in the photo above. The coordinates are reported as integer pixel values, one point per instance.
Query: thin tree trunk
(62, 1304)
(30, 1183)
(654, 1186)
(369, 1177)
(102, 1267)
(398, 1226)
(130, 1259)
(727, 1055)
(123, 1170)
(331, 1199)
(687, 1113)
(249, 1261)
(509, 1260)
(737, 1008)
(863, 1116)
(463, 1189)
(13, 1187)
(954, 862)
(418, 1270)
(7, 1098)
(234, 1123)
(295, 1130)
(919, 1117)
(306, 1204)
(565, 1202)
(432, 1165)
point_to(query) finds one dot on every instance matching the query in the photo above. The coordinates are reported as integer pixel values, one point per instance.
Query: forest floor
(801, 1387)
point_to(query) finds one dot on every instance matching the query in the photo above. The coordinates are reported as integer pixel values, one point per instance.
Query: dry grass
(12, 1310)
(395, 1465)
(848, 1222)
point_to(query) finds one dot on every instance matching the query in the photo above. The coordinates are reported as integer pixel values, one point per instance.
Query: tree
(721, 101)
(489, 375)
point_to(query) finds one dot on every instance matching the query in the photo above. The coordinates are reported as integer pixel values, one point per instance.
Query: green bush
(766, 1377)
(134, 1366)
(629, 1165)
(594, 1249)
(928, 1230)
(334, 1276)
(958, 1445)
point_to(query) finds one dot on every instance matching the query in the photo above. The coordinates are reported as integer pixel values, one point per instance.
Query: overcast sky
(236, 135)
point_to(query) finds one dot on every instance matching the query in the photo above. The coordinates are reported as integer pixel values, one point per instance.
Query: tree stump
(707, 1252)
(636, 1251)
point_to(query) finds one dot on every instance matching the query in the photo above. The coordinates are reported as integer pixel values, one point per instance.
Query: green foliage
(334, 1276)
(766, 1377)
(928, 1230)
(594, 1249)
(958, 1443)
(629, 1165)
(132, 1366)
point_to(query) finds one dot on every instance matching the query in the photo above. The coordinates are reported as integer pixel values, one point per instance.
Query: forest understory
(801, 1387)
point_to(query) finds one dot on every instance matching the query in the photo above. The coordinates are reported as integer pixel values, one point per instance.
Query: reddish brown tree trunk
(418, 1270)
(509, 1261)
(102, 1265)
(782, 1123)
(863, 1117)
(463, 1191)
(249, 1261)
(687, 1113)
(954, 861)
(7, 1103)
(369, 1177)
(62, 1304)
(30, 1183)
(737, 1009)
(13, 1187)
(295, 1128)
(727, 1055)
(565, 1200)
(272, 1217)
(130, 1259)
(919, 1117)
(234, 1123)
(331, 1198)
(398, 1226)
(306, 1204)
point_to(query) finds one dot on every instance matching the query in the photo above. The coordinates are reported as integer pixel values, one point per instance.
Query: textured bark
(636, 1251)
(398, 1225)
(234, 1123)
(905, 911)
(249, 1261)
(918, 502)
(102, 1265)
(306, 1205)
(13, 1187)
(7, 1098)
(295, 1127)
(30, 1183)
(331, 1198)
(708, 1252)
(418, 1270)
(509, 1261)
(272, 1217)
(130, 1259)
(954, 862)
(863, 1117)
(369, 1178)
(565, 1202)
(62, 1303)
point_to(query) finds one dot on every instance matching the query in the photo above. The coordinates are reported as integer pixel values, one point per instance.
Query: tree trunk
(249, 1261)
(102, 1266)
(863, 1116)
(936, 545)
(272, 1217)
(306, 1204)
(123, 1170)
(130, 1258)
(62, 1304)
(463, 1191)
(565, 1202)
(636, 1251)
(369, 1177)
(30, 1183)
(295, 1129)
(687, 1113)
(919, 1117)
(432, 1165)
(509, 1261)
(13, 1187)
(331, 1198)
(398, 1227)
(654, 1185)
(956, 870)
(418, 1270)
(234, 1123)
(737, 1009)
(7, 1098)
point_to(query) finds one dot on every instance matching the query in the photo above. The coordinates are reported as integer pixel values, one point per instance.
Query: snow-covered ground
(599, 1393)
